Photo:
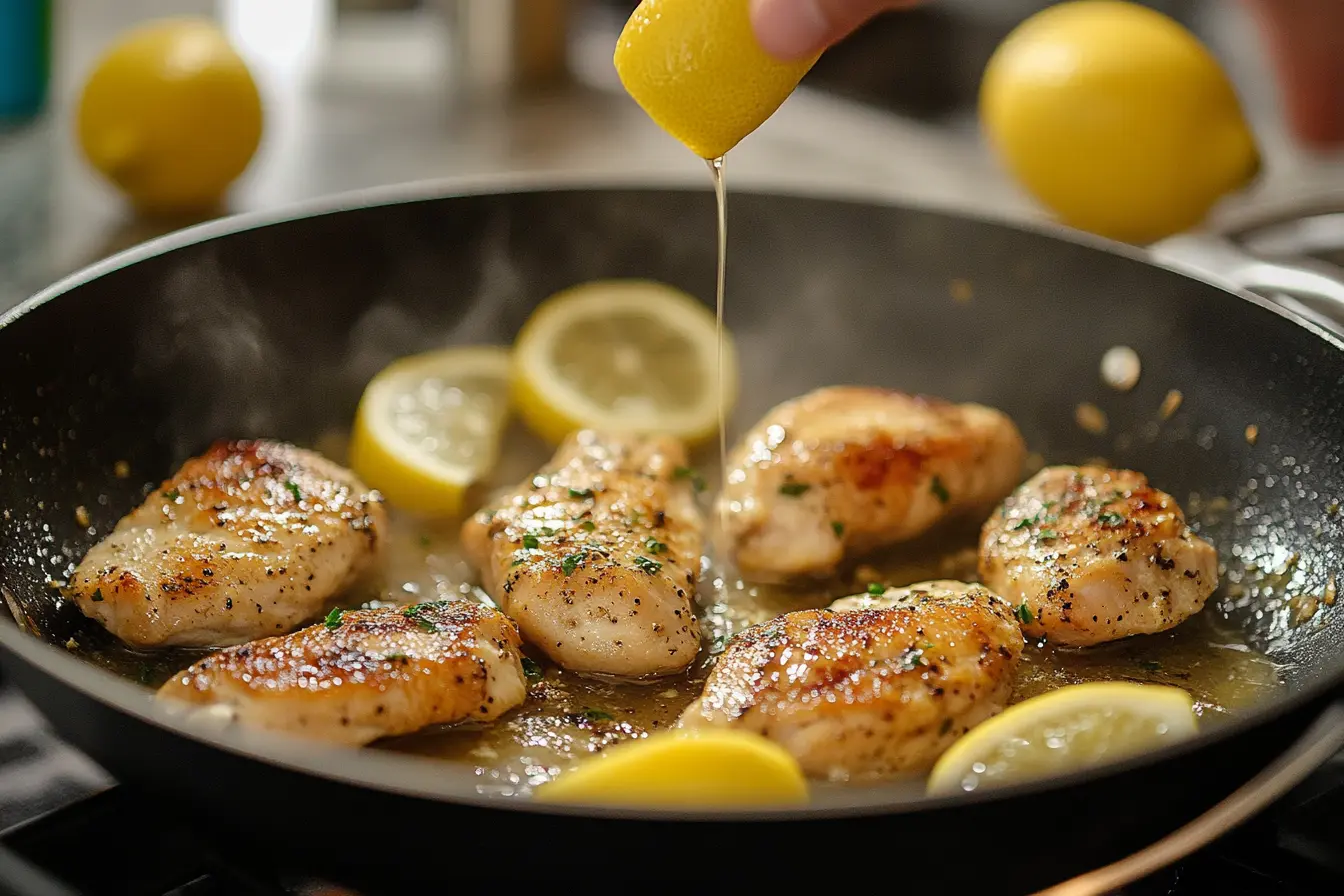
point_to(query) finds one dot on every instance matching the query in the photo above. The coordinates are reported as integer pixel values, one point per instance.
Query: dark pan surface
(274, 330)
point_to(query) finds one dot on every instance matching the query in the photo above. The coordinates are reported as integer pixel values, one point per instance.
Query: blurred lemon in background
(171, 115)
(696, 68)
(1117, 119)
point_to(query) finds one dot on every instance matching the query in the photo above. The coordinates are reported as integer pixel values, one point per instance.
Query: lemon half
(625, 355)
(685, 769)
(696, 68)
(1065, 730)
(428, 427)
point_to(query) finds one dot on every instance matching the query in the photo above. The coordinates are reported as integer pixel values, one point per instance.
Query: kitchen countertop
(377, 108)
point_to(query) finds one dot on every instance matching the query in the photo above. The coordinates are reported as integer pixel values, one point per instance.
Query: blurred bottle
(25, 57)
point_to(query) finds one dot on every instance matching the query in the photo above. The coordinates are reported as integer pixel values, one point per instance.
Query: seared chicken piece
(366, 674)
(846, 469)
(597, 555)
(871, 686)
(247, 540)
(1089, 554)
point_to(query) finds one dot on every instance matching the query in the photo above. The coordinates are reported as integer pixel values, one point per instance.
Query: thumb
(794, 29)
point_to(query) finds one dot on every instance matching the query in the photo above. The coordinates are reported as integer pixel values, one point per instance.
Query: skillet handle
(1321, 741)
(1310, 289)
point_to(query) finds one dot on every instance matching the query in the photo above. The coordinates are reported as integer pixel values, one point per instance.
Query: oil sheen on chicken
(847, 469)
(872, 686)
(1090, 554)
(365, 675)
(250, 539)
(597, 555)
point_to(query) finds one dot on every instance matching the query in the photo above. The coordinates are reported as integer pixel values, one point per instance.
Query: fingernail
(789, 29)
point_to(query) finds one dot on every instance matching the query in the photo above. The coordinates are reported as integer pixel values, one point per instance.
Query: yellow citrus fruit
(171, 115)
(429, 426)
(696, 68)
(1117, 119)
(1065, 730)
(677, 769)
(627, 355)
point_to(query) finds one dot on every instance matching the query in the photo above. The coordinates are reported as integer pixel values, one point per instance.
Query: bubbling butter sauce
(568, 717)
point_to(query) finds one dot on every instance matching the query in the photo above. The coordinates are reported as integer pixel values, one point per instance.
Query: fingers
(793, 29)
(1306, 42)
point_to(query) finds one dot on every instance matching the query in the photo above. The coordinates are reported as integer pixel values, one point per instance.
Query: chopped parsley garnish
(173, 495)
(588, 525)
(413, 613)
(838, 528)
(1024, 614)
(334, 619)
(911, 658)
(530, 542)
(649, 566)
(876, 589)
(597, 715)
(518, 562)
(393, 657)
(939, 490)
(547, 531)
(1150, 665)
(793, 489)
(580, 493)
(97, 595)
(697, 481)
(532, 670)
(294, 489)
(654, 546)
(424, 541)
(1048, 534)
(927, 645)
(1109, 518)
(570, 563)
(1023, 523)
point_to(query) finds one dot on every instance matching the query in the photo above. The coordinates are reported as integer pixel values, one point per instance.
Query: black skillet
(271, 325)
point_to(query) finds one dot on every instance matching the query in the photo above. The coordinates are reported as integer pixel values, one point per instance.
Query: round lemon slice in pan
(627, 355)
(1065, 730)
(429, 426)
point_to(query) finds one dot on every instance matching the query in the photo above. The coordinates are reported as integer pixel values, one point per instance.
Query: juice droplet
(721, 197)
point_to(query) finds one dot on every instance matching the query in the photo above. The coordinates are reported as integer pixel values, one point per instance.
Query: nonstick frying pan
(270, 326)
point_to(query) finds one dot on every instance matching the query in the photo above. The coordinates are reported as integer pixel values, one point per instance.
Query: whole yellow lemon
(171, 115)
(1117, 119)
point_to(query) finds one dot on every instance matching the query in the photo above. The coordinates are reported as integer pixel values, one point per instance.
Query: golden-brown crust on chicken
(597, 556)
(366, 674)
(250, 538)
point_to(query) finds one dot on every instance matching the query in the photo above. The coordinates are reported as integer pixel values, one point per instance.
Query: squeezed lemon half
(684, 769)
(628, 355)
(428, 427)
(1065, 730)
(696, 68)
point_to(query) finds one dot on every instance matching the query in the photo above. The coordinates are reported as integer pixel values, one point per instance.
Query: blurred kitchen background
(361, 93)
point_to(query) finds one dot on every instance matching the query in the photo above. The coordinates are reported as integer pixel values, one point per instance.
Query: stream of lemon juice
(721, 199)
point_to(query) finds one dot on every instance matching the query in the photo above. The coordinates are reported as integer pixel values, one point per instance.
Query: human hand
(1305, 40)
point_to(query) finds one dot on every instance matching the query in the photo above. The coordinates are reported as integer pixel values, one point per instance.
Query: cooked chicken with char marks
(847, 469)
(597, 555)
(871, 686)
(1090, 554)
(366, 674)
(250, 539)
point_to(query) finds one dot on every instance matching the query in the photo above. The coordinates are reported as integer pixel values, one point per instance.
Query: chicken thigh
(1089, 554)
(247, 540)
(365, 674)
(874, 685)
(847, 469)
(597, 555)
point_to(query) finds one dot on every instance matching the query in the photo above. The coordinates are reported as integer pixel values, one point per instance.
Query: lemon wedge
(627, 355)
(1065, 730)
(1116, 118)
(429, 426)
(696, 68)
(684, 769)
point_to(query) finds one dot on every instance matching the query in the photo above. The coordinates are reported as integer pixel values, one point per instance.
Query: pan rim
(424, 778)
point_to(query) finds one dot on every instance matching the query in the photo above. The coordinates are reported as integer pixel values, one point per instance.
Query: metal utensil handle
(1313, 290)
(1322, 740)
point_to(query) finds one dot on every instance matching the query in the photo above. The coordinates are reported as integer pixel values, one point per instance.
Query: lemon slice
(696, 68)
(1065, 730)
(685, 769)
(626, 355)
(429, 426)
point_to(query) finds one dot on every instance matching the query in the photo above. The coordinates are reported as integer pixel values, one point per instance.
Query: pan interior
(273, 332)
